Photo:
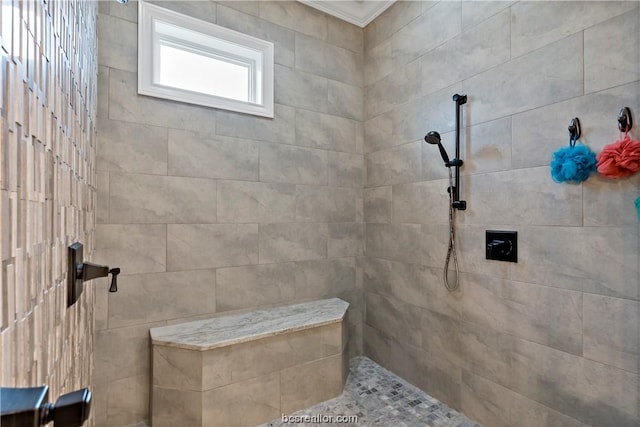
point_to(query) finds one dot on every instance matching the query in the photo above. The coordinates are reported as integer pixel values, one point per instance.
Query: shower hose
(451, 251)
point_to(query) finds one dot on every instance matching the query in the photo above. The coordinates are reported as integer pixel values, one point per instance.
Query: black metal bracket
(625, 122)
(574, 130)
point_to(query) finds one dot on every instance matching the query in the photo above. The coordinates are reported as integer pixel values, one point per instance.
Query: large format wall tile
(207, 156)
(296, 165)
(394, 166)
(255, 202)
(317, 279)
(317, 130)
(280, 128)
(317, 57)
(117, 44)
(197, 246)
(377, 204)
(325, 204)
(161, 199)
(299, 89)
(137, 248)
(296, 16)
(292, 242)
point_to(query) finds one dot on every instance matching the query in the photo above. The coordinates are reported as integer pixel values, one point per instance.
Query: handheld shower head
(433, 137)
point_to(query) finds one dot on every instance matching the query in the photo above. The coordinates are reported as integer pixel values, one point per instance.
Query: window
(189, 60)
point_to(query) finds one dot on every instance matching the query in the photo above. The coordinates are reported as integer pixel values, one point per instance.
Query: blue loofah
(638, 206)
(573, 164)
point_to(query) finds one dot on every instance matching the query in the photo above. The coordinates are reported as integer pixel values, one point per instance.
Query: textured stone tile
(421, 202)
(161, 199)
(126, 105)
(600, 260)
(230, 16)
(103, 90)
(120, 246)
(378, 133)
(394, 166)
(131, 147)
(317, 57)
(292, 242)
(470, 53)
(253, 401)
(610, 331)
(345, 170)
(207, 156)
(440, 24)
(487, 352)
(377, 62)
(487, 148)
(254, 286)
(531, 194)
(296, 16)
(300, 89)
(278, 129)
(199, 246)
(325, 204)
(324, 278)
(317, 130)
(345, 100)
(553, 73)
(541, 314)
(154, 297)
(304, 385)
(534, 25)
(588, 391)
(398, 242)
(255, 202)
(605, 67)
(344, 34)
(377, 204)
(345, 239)
(117, 43)
(609, 202)
(295, 165)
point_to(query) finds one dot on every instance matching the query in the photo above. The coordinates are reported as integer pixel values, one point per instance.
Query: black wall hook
(625, 122)
(574, 129)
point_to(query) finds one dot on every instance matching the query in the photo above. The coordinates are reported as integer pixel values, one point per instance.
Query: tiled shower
(207, 211)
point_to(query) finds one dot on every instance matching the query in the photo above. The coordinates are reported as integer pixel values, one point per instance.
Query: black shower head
(433, 137)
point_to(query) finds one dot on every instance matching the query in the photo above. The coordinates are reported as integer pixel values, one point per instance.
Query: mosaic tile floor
(379, 398)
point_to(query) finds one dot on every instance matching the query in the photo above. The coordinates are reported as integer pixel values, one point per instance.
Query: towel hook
(574, 131)
(625, 122)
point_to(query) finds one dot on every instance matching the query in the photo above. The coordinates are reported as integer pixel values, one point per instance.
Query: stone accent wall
(48, 92)
(552, 340)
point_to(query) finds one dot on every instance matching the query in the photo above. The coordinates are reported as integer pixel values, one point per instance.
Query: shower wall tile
(126, 105)
(255, 202)
(377, 204)
(421, 202)
(131, 148)
(345, 34)
(610, 202)
(346, 170)
(207, 156)
(377, 61)
(603, 260)
(475, 12)
(394, 166)
(292, 242)
(128, 400)
(151, 297)
(398, 242)
(282, 38)
(118, 43)
(299, 89)
(541, 314)
(325, 204)
(280, 128)
(489, 147)
(121, 245)
(470, 53)
(161, 199)
(205, 11)
(536, 25)
(528, 196)
(610, 333)
(323, 131)
(102, 200)
(317, 279)
(333, 62)
(255, 285)
(202, 246)
(397, 88)
(378, 133)
(392, 20)
(296, 16)
(553, 73)
(345, 239)
(605, 67)
(345, 100)
(296, 165)
(395, 318)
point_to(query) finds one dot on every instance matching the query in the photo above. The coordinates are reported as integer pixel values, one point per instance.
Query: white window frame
(248, 50)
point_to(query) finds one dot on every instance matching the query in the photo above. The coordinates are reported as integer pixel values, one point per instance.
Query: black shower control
(502, 245)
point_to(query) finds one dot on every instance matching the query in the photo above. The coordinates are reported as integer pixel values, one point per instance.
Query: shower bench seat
(249, 368)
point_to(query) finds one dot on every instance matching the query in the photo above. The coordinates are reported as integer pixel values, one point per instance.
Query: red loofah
(620, 159)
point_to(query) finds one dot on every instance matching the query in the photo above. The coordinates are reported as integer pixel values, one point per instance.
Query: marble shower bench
(249, 368)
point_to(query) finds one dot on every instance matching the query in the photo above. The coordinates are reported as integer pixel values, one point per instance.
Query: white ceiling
(358, 12)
